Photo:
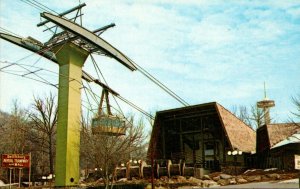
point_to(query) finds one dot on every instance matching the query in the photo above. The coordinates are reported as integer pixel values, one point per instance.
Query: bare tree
(108, 151)
(253, 116)
(296, 102)
(12, 132)
(13, 137)
(243, 114)
(257, 117)
(43, 119)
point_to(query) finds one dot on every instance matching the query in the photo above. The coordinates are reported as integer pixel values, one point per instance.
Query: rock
(181, 179)
(208, 183)
(223, 182)
(163, 178)
(133, 179)
(249, 170)
(195, 180)
(217, 178)
(273, 176)
(265, 178)
(241, 180)
(271, 169)
(122, 180)
(253, 178)
(225, 176)
(206, 177)
(232, 181)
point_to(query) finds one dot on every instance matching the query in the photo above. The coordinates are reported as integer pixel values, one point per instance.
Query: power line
(88, 89)
(45, 6)
(33, 5)
(160, 84)
(9, 32)
(127, 102)
(11, 73)
(97, 68)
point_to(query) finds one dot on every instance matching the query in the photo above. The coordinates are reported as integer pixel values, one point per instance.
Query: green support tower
(70, 59)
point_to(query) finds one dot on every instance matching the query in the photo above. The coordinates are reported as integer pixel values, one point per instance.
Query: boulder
(209, 183)
(223, 182)
(255, 178)
(194, 180)
(273, 176)
(217, 178)
(122, 180)
(181, 179)
(270, 169)
(232, 181)
(206, 177)
(164, 178)
(241, 180)
(225, 176)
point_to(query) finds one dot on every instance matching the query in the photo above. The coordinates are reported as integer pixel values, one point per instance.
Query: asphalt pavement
(294, 183)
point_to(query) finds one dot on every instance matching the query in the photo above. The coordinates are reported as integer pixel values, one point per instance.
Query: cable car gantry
(71, 47)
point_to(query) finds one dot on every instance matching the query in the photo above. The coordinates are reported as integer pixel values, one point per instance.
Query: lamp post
(234, 153)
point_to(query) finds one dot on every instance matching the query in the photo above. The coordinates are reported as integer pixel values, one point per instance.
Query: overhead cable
(160, 84)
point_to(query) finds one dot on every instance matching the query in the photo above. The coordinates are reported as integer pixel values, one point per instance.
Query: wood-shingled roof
(280, 131)
(240, 135)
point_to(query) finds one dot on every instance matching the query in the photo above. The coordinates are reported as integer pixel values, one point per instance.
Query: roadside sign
(15, 160)
(297, 162)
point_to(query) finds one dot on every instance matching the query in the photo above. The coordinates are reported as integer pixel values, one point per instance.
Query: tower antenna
(266, 104)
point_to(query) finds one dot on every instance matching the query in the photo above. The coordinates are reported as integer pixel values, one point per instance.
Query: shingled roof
(240, 135)
(281, 131)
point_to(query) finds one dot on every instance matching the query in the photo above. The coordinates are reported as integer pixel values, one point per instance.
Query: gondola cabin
(108, 125)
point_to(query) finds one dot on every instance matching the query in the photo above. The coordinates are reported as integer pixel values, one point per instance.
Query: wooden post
(19, 177)
(29, 171)
(10, 169)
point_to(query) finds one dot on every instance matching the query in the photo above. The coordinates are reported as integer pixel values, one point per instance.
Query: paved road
(294, 183)
(264, 185)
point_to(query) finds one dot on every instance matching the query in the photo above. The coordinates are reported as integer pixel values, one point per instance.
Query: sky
(204, 50)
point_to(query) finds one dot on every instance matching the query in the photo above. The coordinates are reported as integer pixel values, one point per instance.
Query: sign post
(29, 171)
(297, 165)
(10, 169)
(20, 169)
(16, 161)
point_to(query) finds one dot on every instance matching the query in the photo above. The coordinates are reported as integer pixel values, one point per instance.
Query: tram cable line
(10, 32)
(127, 102)
(144, 72)
(160, 84)
(97, 68)
(89, 89)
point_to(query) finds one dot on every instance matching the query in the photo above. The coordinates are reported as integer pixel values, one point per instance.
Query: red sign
(15, 160)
